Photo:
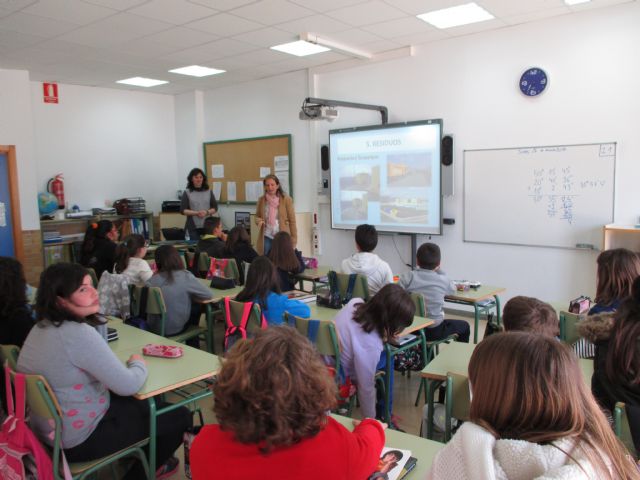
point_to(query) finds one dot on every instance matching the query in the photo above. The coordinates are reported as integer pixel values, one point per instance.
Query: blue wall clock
(533, 82)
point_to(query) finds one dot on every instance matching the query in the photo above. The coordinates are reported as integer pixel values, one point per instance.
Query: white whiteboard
(556, 196)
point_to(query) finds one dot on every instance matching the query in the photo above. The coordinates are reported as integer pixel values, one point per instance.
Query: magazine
(393, 464)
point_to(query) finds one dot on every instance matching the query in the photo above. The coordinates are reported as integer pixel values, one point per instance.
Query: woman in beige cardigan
(275, 213)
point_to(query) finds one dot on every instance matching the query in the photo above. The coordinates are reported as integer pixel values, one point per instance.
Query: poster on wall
(50, 92)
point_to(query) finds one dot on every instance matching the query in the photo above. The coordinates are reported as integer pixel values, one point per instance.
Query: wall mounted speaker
(325, 165)
(446, 158)
(324, 157)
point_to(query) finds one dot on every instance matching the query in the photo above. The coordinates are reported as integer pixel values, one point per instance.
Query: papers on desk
(305, 297)
(404, 340)
(394, 464)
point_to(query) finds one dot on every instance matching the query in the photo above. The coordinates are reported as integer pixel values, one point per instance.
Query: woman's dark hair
(282, 253)
(61, 280)
(236, 237)
(127, 249)
(273, 390)
(168, 261)
(262, 279)
(617, 269)
(271, 176)
(193, 173)
(94, 231)
(623, 355)
(388, 312)
(13, 287)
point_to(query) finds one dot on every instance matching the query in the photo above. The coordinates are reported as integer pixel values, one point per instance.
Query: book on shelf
(394, 464)
(305, 297)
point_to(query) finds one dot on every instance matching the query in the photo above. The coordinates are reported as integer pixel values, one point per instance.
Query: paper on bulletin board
(264, 171)
(217, 171)
(284, 181)
(231, 191)
(217, 189)
(281, 163)
(253, 191)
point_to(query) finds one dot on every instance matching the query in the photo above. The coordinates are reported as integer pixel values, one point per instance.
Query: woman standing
(197, 203)
(275, 213)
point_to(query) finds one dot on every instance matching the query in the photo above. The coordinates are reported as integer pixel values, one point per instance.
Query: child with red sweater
(271, 399)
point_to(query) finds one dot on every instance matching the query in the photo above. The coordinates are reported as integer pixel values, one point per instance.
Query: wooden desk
(421, 448)
(474, 297)
(165, 374)
(313, 275)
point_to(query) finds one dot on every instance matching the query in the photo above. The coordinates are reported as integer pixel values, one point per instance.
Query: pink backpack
(22, 456)
(233, 333)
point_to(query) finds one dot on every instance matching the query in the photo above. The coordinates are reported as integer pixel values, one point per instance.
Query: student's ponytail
(127, 249)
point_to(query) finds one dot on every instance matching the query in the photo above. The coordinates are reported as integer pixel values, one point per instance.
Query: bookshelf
(622, 236)
(62, 239)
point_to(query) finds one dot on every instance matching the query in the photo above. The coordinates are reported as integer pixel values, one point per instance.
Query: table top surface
(476, 294)
(313, 273)
(218, 294)
(421, 448)
(165, 374)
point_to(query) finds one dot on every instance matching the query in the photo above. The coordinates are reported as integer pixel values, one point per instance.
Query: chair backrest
(230, 269)
(155, 304)
(458, 400)
(568, 330)
(234, 313)
(418, 301)
(94, 277)
(322, 333)
(622, 428)
(245, 267)
(360, 288)
(9, 353)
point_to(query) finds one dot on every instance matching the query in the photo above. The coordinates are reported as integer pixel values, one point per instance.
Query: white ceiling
(96, 42)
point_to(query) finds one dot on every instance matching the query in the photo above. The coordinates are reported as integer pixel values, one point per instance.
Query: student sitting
(239, 247)
(531, 416)
(287, 260)
(367, 263)
(92, 385)
(212, 241)
(262, 287)
(528, 314)
(271, 401)
(181, 292)
(99, 247)
(363, 329)
(130, 260)
(616, 376)
(432, 283)
(16, 317)
(617, 269)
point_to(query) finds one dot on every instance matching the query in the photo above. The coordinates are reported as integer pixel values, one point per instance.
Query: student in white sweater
(532, 417)
(367, 263)
(130, 260)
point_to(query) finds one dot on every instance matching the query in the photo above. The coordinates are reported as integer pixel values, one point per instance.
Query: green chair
(360, 288)
(231, 270)
(457, 401)
(568, 327)
(622, 429)
(236, 310)
(156, 306)
(43, 403)
(432, 347)
(9, 353)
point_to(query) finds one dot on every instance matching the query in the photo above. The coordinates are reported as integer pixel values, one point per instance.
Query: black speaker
(446, 155)
(324, 157)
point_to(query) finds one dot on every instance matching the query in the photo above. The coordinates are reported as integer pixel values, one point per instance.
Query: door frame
(14, 195)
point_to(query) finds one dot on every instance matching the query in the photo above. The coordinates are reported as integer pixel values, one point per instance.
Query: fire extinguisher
(56, 186)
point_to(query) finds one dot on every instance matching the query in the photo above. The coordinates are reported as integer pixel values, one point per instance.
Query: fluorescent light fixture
(142, 82)
(197, 71)
(335, 46)
(300, 48)
(456, 16)
(575, 2)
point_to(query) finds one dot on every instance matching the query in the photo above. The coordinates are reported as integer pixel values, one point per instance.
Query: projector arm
(338, 103)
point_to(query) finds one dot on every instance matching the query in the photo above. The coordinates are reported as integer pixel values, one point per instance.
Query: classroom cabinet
(621, 236)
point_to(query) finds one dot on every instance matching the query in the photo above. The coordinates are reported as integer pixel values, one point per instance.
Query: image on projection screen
(387, 176)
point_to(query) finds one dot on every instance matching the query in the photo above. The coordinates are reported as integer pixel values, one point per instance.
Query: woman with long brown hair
(532, 416)
(271, 401)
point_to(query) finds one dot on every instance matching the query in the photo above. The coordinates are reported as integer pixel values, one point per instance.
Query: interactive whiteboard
(555, 196)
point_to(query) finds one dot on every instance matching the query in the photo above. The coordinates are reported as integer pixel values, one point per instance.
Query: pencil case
(164, 351)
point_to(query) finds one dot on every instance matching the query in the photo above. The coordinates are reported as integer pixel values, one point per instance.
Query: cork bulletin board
(235, 168)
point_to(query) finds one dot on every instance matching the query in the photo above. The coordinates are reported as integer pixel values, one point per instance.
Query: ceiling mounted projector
(318, 112)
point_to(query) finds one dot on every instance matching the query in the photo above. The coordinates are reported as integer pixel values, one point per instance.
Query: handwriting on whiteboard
(555, 190)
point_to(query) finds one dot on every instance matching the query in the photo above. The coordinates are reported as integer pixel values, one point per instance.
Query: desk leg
(152, 437)
(430, 387)
(209, 319)
(497, 308)
(387, 384)
(476, 321)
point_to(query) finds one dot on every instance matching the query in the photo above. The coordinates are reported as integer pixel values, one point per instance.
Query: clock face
(533, 82)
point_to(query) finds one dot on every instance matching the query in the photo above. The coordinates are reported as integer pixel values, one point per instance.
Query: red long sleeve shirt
(334, 454)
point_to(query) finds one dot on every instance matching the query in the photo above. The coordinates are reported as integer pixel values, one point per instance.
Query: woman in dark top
(16, 318)
(238, 246)
(99, 247)
(197, 203)
(287, 260)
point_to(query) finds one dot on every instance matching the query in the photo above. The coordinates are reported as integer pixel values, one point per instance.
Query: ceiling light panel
(300, 48)
(142, 82)
(456, 16)
(197, 71)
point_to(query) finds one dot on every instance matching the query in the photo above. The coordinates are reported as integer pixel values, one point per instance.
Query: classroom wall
(471, 82)
(108, 143)
(189, 115)
(16, 129)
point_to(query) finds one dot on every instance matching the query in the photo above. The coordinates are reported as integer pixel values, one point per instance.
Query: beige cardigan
(286, 220)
